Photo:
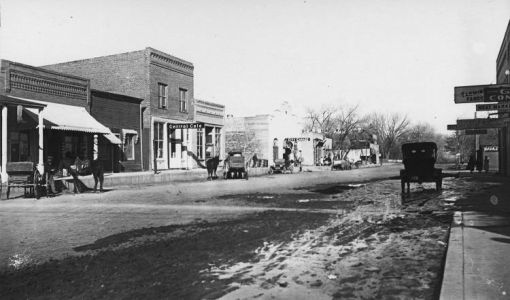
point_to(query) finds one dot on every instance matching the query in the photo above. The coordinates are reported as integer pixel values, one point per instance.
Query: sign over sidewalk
(504, 106)
(482, 93)
(479, 123)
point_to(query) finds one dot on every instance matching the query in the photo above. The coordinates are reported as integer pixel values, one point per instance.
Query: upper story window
(183, 100)
(162, 95)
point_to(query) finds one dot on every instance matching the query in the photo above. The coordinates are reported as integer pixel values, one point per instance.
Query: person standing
(479, 160)
(486, 164)
(471, 163)
(300, 160)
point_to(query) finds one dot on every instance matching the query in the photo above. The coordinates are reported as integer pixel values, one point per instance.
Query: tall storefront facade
(169, 135)
(503, 78)
(210, 138)
(46, 114)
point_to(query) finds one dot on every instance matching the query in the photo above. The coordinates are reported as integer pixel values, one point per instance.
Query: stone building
(267, 136)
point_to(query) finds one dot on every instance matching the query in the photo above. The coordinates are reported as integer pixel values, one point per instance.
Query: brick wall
(118, 112)
(115, 111)
(503, 59)
(29, 82)
(124, 73)
(174, 81)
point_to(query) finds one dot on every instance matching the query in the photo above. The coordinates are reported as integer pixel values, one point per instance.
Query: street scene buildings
(287, 150)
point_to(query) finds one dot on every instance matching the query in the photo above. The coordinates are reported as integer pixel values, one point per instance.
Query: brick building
(46, 113)
(210, 140)
(165, 83)
(122, 115)
(503, 77)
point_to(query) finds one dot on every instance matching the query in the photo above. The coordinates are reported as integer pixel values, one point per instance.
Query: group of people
(67, 165)
(476, 161)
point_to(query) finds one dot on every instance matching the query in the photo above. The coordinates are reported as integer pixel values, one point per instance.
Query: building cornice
(46, 85)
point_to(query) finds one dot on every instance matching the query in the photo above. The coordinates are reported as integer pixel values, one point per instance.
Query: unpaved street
(318, 235)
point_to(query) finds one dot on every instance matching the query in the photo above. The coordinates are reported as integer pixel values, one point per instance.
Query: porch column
(95, 148)
(188, 147)
(213, 136)
(166, 145)
(204, 143)
(4, 144)
(40, 163)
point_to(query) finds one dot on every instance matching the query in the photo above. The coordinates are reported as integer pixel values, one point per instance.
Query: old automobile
(419, 160)
(235, 166)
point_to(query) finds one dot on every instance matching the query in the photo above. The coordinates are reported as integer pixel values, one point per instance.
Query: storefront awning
(70, 118)
(112, 138)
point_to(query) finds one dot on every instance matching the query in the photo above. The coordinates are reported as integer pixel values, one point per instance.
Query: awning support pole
(4, 144)
(96, 148)
(40, 164)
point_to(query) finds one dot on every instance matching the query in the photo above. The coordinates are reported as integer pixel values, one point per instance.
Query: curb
(453, 277)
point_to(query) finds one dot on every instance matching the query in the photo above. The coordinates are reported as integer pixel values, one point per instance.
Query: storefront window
(20, 150)
(129, 146)
(158, 139)
(200, 143)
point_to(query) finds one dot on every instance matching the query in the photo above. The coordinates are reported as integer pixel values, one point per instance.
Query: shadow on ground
(153, 263)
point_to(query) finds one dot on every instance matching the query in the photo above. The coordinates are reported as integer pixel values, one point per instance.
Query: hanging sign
(494, 106)
(479, 123)
(482, 93)
(475, 131)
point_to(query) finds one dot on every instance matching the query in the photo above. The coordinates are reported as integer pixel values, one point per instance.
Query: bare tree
(390, 129)
(422, 132)
(322, 119)
(336, 122)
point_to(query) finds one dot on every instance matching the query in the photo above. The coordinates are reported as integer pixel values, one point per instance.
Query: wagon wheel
(403, 180)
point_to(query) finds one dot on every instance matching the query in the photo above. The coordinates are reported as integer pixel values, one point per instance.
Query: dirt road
(307, 236)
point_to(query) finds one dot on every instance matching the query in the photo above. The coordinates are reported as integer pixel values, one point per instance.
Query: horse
(212, 165)
(94, 167)
(98, 174)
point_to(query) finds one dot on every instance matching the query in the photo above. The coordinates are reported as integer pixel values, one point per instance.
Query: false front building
(170, 137)
(46, 114)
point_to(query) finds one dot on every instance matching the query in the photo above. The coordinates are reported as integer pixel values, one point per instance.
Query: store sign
(475, 131)
(300, 139)
(482, 93)
(451, 127)
(497, 93)
(502, 106)
(469, 94)
(490, 148)
(479, 124)
(186, 126)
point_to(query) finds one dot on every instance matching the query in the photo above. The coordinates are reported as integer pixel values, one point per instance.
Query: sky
(386, 56)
